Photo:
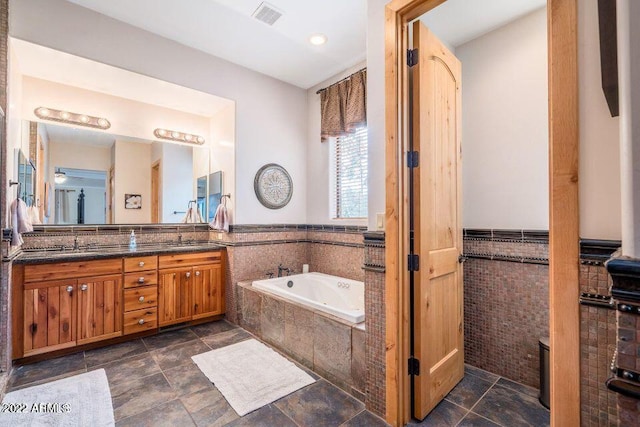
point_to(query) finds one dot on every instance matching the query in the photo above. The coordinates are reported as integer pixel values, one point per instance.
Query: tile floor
(485, 399)
(154, 382)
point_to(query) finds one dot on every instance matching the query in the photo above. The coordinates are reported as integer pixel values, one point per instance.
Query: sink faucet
(281, 269)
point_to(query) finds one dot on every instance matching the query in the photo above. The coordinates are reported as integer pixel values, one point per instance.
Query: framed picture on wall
(132, 201)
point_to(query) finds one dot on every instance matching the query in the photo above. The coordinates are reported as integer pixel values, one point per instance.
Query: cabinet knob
(188, 274)
(141, 322)
(69, 289)
(141, 264)
(83, 287)
(141, 280)
(141, 299)
(197, 273)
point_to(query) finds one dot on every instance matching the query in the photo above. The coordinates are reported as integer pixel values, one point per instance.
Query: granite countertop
(55, 255)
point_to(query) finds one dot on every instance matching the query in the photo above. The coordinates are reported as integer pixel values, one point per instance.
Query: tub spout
(281, 269)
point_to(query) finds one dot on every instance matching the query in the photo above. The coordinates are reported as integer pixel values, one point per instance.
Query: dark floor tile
(468, 391)
(521, 388)
(166, 415)
(224, 339)
(320, 404)
(365, 419)
(187, 379)
(116, 352)
(510, 408)
(209, 408)
(168, 338)
(178, 354)
(129, 369)
(47, 370)
(267, 416)
(136, 396)
(485, 375)
(445, 414)
(475, 420)
(212, 328)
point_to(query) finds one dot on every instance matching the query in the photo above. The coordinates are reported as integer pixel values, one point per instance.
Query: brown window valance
(344, 106)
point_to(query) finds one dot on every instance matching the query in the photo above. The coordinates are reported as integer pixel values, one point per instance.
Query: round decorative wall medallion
(273, 186)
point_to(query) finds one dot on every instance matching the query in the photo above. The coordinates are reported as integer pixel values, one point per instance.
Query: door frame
(564, 314)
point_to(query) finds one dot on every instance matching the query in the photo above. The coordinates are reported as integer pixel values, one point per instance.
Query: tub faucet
(281, 269)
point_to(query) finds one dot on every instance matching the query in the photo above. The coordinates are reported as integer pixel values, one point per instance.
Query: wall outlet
(380, 221)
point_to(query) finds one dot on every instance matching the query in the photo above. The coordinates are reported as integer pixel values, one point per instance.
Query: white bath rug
(250, 375)
(80, 400)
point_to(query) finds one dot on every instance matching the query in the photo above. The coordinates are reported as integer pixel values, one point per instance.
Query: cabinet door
(174, 296)
(49, 316)
(207, 290)
(99, 308)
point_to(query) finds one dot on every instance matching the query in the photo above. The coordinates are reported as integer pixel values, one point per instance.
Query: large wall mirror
(94, 177)
(114, 147)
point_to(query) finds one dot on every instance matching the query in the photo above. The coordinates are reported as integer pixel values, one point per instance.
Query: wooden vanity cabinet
(49, 311)
(64, 305)
(190, 287)
(99, 308)
(140, 294)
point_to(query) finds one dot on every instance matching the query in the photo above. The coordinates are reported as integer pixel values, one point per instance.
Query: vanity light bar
(173, 135)
(73, 118)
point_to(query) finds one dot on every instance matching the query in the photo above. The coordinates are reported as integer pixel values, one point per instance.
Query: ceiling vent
(267, 13)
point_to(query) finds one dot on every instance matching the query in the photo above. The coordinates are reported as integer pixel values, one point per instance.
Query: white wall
(223, 157)
(505, 133)
(132, 176)
(271, 115)
(376, 108)
(318, 160)
(599, 137)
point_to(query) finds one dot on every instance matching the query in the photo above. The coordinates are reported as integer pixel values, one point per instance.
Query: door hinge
(412, 57)
(414, 366)
(462, 258)
(413, 159)
(413, 262)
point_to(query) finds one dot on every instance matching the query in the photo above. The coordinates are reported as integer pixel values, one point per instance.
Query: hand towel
(47, 201)
(20, 222)
(34, 215)
(221, 219)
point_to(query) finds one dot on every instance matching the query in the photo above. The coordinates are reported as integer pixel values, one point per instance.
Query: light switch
(380, 221)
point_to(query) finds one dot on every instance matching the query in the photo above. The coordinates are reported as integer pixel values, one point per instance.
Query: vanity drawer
(64, 270)
(140, 298)
(187, 260)
(140, 263)
(140, 320)
(144, 278)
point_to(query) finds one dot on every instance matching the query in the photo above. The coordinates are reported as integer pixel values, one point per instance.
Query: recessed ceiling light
(318, 39)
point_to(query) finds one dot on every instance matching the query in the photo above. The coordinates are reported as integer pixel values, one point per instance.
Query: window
(349, 173)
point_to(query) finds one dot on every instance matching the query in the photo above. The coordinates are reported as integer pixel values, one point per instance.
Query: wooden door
(174, 296)
(49, 316)
(155, 192)
(111, 195)
(99, 308)
(207, 290)
(438, 303)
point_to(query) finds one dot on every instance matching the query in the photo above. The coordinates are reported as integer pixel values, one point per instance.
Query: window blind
(351, 175)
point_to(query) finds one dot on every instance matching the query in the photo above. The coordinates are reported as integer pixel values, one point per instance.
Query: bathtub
(343, 298)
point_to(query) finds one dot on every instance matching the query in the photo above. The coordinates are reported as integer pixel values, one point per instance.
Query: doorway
(155, 192)
(563, 226)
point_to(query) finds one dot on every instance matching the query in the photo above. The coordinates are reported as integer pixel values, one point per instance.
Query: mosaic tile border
(259, 228)
(501, 235)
